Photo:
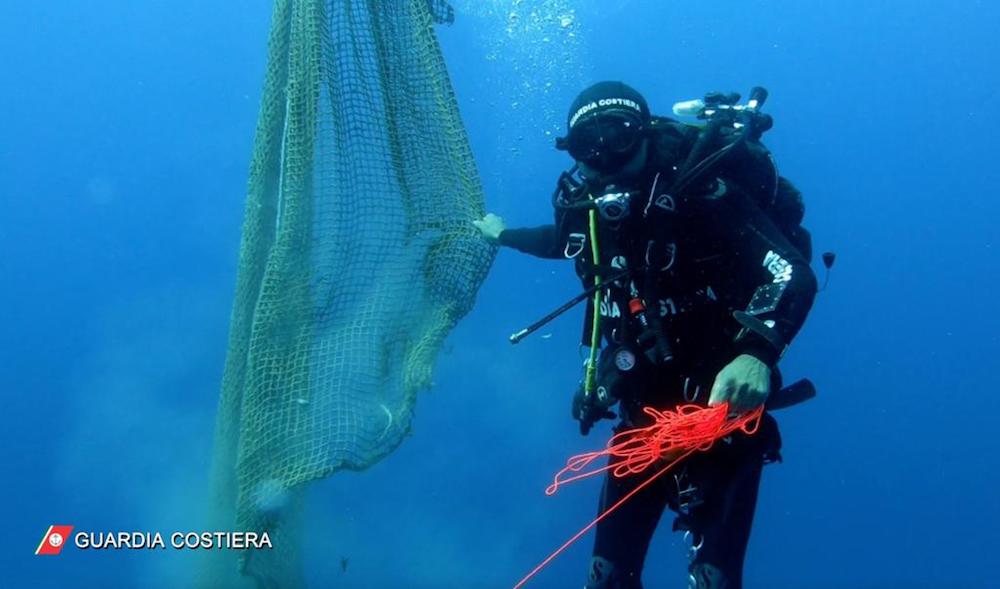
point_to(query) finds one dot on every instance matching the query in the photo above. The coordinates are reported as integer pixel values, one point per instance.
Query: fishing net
(358, 257)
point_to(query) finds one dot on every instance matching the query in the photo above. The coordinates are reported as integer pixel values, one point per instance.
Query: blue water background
(125, 131)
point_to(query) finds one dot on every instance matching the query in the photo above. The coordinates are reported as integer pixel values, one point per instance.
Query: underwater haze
(126, 133)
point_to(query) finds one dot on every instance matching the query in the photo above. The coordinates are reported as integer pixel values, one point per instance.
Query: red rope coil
(673, 436)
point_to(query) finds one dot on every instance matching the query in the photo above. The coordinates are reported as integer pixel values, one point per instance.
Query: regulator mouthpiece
(613, 206)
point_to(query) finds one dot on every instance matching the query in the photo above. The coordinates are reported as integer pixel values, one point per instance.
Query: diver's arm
(783, 287)
(784, 284)
(542, 241)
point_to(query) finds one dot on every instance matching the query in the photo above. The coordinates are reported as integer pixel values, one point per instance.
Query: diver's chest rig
(731, 124)
(640, 232)
(624, 242)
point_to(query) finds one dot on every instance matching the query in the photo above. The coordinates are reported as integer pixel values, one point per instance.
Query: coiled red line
(673, 436)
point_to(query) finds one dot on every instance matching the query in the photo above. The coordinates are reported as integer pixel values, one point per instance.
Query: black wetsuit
(695, 258)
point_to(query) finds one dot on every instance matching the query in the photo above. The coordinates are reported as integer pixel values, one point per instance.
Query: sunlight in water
(534, 54)
(537, 43)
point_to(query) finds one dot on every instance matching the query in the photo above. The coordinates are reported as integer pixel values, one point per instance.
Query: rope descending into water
(673, 436)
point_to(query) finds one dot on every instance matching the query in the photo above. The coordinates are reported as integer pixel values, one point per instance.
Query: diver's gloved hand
(589, 409)
(745, 383)
(491, 226)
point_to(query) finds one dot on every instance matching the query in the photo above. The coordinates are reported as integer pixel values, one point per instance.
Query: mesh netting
(358, 257)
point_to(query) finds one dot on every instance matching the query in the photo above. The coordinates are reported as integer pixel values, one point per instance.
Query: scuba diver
(696, 270)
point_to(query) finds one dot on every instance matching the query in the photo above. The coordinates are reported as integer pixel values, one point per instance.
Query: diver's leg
(728, 478)
(623, 537)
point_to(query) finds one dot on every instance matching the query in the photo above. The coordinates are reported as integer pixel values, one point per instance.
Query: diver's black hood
(604, 96)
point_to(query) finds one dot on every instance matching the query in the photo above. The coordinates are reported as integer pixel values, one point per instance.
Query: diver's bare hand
(491, 226)
(744, 383)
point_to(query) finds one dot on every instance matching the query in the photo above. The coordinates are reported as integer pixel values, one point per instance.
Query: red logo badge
(54, 540)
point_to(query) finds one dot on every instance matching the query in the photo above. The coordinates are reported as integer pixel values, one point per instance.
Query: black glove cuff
(758, 340)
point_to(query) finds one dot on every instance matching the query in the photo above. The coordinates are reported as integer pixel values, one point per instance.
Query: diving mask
(604, 141)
